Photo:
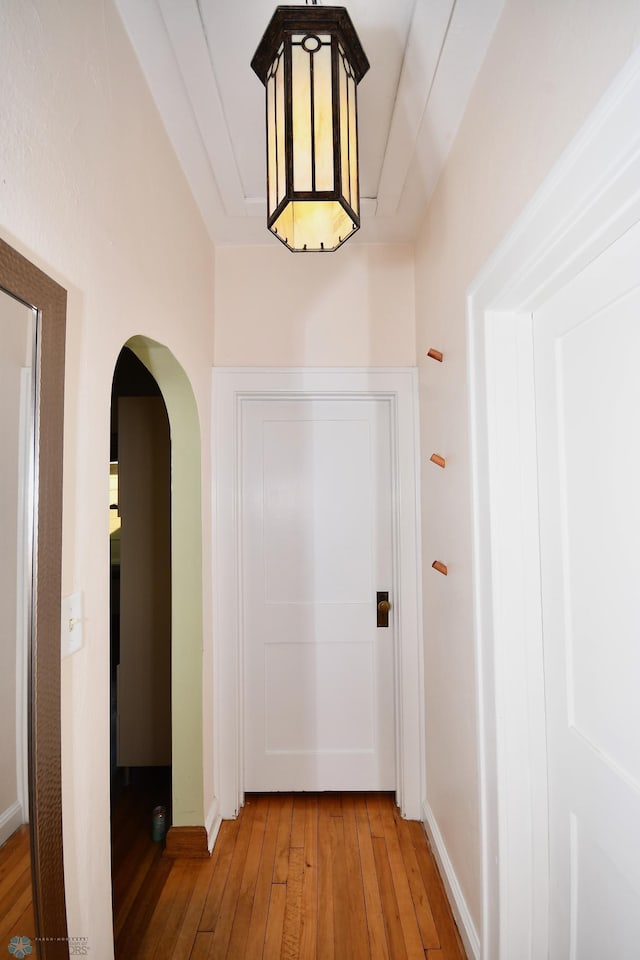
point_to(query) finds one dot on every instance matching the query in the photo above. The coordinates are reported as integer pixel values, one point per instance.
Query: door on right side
(587, 372)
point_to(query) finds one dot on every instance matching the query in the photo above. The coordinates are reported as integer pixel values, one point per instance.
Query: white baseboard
(466, 926)
(213, 822)
(10, 820)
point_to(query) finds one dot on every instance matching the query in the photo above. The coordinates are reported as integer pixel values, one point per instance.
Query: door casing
(231, 388)
(590, 198)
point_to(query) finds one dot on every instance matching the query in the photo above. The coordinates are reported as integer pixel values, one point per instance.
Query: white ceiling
(424, 56)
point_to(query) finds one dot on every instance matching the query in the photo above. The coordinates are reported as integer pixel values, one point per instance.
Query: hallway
(298, 876)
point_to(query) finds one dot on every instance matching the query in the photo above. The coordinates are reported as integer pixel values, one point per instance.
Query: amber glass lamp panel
(313, 211)
(348, 132)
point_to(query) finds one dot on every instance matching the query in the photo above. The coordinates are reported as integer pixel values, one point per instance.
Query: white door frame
(590, 198)
(231, 388)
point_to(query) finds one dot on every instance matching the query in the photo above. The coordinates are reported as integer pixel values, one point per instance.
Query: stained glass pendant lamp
(311, 60)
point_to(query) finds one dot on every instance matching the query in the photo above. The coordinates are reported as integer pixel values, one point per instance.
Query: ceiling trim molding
(470, 32)
(187, 35)
(147, 32)
(431, 20)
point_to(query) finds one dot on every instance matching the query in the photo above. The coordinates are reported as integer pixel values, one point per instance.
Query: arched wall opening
(186, 579)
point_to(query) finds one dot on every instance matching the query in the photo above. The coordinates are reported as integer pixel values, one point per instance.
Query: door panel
(587, 341)
(310, 701)
(317, 545)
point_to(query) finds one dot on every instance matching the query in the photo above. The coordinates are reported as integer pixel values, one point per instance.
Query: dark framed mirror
(46, 302)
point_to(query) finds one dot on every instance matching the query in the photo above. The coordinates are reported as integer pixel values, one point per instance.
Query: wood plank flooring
(295, 877)
(16, 904)
(138, 873)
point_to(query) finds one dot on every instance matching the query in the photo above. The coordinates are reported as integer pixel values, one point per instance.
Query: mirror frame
(19, 277)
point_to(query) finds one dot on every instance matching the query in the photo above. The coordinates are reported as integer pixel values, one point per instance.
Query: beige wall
(351, 308)
(91, 192)
(548, 64)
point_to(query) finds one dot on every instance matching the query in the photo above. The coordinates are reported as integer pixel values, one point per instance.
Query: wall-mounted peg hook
(435, 355)
(438, 460)
(440, 567)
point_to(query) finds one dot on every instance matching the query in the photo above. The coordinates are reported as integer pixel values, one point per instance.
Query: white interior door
(316, 547)
(587, 349)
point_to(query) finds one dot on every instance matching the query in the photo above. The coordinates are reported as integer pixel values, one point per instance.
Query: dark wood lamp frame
(26, 282)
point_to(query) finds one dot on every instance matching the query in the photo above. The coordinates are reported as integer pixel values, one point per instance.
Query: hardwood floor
(138, 871)
(319, 877)
(16, 905)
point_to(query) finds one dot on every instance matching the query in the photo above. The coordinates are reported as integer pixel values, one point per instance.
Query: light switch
(72, 635)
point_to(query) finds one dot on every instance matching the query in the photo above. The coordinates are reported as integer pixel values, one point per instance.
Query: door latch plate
(383, 606)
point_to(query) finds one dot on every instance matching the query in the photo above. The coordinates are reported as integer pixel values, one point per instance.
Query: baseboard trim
(187, 843)
(466, 926)
(213, 823)
(10, 820)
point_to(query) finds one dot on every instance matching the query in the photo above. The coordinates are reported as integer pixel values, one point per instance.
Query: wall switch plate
(72, 617)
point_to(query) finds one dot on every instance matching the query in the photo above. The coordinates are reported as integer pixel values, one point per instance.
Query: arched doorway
(186, 825)
(186, 580)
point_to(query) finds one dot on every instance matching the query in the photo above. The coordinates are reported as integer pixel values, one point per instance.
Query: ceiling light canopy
(310, 60)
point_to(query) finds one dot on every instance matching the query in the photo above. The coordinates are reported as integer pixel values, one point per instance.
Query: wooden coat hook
(438, 460)
(435, 355)
(440, 567)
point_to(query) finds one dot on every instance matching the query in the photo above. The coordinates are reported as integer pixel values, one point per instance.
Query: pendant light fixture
(310, 60)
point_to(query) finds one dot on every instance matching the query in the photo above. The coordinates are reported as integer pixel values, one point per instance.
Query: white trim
(461, 912)
(589, 199)
(10, 819)
(212, 823)
(230, 386)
